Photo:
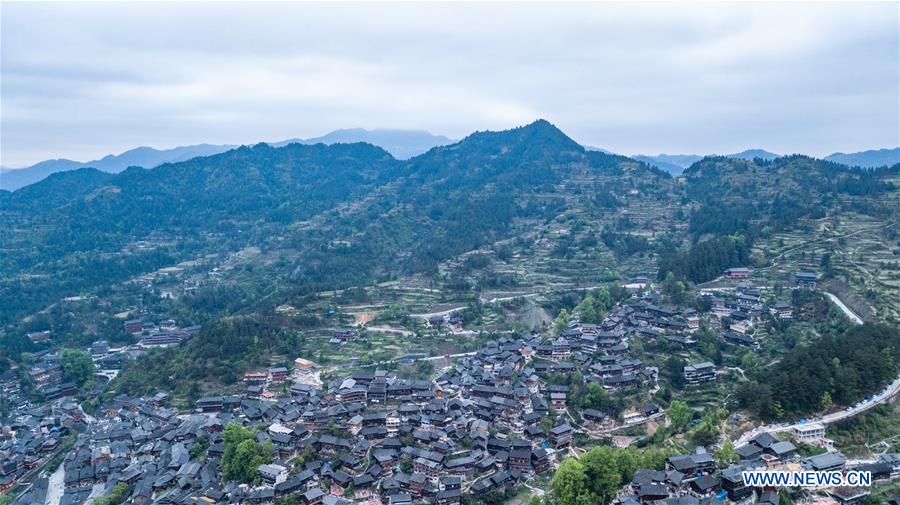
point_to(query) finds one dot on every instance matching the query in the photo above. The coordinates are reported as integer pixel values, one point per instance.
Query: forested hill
(348, 214)
(737, 195)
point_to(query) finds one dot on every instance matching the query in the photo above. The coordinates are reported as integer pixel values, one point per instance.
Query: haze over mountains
(401, 144)
(676, 163)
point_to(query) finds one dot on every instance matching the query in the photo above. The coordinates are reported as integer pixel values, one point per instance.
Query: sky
(82, 80)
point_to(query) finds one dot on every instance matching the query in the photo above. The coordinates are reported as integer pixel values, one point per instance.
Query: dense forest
(707, 260)
(214, 357)
(839, 369)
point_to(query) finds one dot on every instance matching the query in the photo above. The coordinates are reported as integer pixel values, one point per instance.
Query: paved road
(398, 360)
(892, 390)
(55, 485)
(441, 313)
(837, 301)
(386, 329)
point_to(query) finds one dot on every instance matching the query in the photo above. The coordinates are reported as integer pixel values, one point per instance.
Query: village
(486, 424)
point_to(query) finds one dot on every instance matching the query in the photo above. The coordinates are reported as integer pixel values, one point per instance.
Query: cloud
(84, 80)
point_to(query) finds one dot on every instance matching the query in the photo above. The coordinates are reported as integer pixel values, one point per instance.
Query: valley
(475, 324)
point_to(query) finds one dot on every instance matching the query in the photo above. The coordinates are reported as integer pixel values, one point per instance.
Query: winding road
(882, 397)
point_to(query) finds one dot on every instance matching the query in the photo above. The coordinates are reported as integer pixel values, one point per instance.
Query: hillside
(283, 223)
(868, 159)
(147, 157)
(402, 144)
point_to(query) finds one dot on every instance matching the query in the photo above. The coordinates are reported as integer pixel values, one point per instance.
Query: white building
(273, 474)
(809, 432)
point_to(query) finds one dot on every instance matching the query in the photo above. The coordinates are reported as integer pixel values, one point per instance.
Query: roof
(782, 448)
(827, 460)
(706, 482)
(560, 429)
(764, 439)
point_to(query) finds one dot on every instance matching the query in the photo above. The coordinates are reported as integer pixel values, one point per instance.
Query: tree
(591, 310)
(562, 320)
(604, 467)
(674, 368)
(826, 402)
(77, 366)
(674, 289)
(115, 497)
(570, 485)
(679, 414)
(726, 455)
(595, 397)
(243, 454)
(707, 431)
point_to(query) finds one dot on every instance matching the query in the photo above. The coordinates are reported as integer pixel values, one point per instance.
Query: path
(56, 485)
(440, 312)
(837, 301)
(405, 333)
(882, 397)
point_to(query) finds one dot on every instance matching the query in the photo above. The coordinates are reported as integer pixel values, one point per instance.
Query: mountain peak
(545, 127)
(867, 159)
(750, 154)
(537, 133)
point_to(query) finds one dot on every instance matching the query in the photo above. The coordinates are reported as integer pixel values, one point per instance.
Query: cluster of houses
(341, 336)
(369, 437)
(32, 435)
(46, 375)
(451, 322)
(693, 479)
(160, 334)
(489, 422)
(480, 426)
(257, 382)
(745, 306)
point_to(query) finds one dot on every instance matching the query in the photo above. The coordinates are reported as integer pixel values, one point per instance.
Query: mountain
(672, 163)
(13, 179)
(868, 159)
(750, 154)
(147, 157)
(328, 217)
(343, 213)
(402, 144)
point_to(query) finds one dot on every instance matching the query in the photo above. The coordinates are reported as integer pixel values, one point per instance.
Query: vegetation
(77, 366)
(219, 354)
(243, 454)
(118, 495)
(708, 259)
(861, 434)
(597, 475)
(840, 368)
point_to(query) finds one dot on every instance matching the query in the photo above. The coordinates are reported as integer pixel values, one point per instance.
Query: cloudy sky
(83, 80)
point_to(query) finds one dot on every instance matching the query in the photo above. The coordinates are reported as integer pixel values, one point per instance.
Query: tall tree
(679, 414)
(77, 365)
(570, 484)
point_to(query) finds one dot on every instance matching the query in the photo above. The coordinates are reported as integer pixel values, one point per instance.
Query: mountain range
(402, 144)
(341, 215)
(868, 159)
(676, 163)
